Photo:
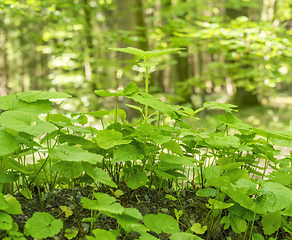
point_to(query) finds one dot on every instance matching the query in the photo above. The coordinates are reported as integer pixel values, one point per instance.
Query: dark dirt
(146, 200)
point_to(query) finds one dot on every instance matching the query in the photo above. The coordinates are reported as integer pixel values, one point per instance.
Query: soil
(147, 201)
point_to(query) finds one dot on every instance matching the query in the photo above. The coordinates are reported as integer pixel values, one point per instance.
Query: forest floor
(147, 201)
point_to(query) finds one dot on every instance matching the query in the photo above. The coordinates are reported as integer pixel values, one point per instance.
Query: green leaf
(126, 153)
(174, 147)
(99, 114)
(160, 139)
(196, 228)
(14, 206)
(137, 180)
(5, 221)
(33, 96)
(177, 214)
(186, 161)
(134, 51)
(13, 164)
(283, 178)
(107, 139)
(184, 236)
(147, 237)
(225, 220)
(3, 203)
(98, 174)
(25, 122)
(222, 106)
(215, 204)
(206, 192)
(12, 102)
(271, 222)
(74, 154)
(101, 234)
(212, 171)
(42, 225)
(257, 236)
(70, 233)
(107, 93)
(130, 88)
(161, 223)
(238, 225)
(149, 100)
(8, 143)
(215, 140)
(232, 121)
(68, 169)
(103, 203)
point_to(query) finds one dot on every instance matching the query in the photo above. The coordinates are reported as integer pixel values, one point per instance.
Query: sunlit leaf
(25, 122)
(161, 223)
(74, 154)
(8, 143)
(42, 225)
(98, 174)
(196, 228)
(110, 138)
(33, 96)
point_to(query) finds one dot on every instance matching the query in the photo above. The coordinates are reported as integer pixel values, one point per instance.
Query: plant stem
(116, 114)
(146, 90)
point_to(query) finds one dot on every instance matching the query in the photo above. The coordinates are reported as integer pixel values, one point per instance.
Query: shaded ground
(146, 200)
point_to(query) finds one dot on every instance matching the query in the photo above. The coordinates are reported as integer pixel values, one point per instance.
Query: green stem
(146, 90)
(116, 114)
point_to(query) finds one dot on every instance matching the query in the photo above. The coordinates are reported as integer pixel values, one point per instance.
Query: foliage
(150, 152)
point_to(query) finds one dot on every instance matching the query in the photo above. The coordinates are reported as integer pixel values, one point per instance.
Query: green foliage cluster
(160, 150)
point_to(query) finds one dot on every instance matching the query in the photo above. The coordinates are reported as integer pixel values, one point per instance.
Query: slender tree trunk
(4, 90)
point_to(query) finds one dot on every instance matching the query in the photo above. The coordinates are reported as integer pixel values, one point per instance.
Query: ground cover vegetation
(232, 171)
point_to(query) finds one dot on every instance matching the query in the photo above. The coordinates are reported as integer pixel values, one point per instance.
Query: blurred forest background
(237, 51)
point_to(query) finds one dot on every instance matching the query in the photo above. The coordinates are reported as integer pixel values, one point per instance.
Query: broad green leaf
(103, 203)
(107, 139)
(68, 169)
(223, 106)
(226, 221)
(13, 164)
(242, 212)
(271, 222)
(135, 51)
(70, 234)
(8, 143)
(137, 180)
(232, 121)
(42, 225)
(161, 223)
(98, 114)
(130, 88)
(149, 100)
(101, 234)
(206, 192)
(33, 96)
(174, 147)
(25, 122)
(74, 154)
(5, 221)
(186, 161)
(212, 172)
(59, 119)
(3, 203)
(231, 166)
(147, 237)
(126, 153)
(283, 178)
(196, 228)
(275, 134)
(218, 141)
(98, 174)
(12, 102)
(107, 93)
(273, 196)
(257, 236)
(215, 204)
(160, 139)
(184, 236)
(146, 129)
(238, 225)
(14, 206)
